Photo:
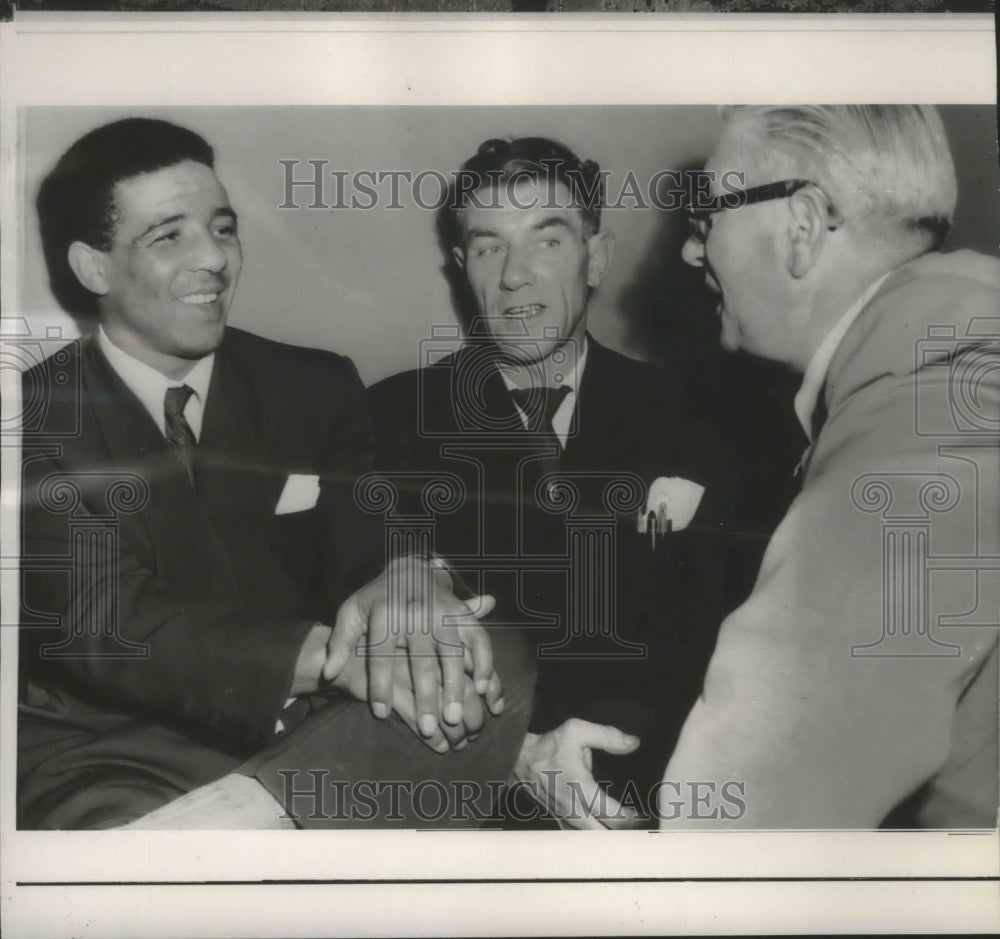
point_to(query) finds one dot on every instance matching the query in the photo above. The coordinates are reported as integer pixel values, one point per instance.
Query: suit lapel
(594, 423)
(171, 523)
(241, 465)
(234, 472)
(489, 405)
(490, 431)
(491, 416)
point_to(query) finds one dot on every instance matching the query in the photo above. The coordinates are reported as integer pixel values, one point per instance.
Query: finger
(347, 630)
(477, 640)
(482, 605)
(406, 708)
(424, 669)
(453, 681)
(494, 694)
(442, 613)
(574, 806)
(616, 815)
(380, 663)
(457, 736)
(602, 737)
(473, 714)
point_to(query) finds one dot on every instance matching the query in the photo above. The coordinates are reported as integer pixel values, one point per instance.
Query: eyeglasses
(700, 217)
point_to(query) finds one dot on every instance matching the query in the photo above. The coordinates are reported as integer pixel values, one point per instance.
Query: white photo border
(322, 883)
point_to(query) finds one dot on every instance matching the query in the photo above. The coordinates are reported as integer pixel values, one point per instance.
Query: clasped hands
(405, 643)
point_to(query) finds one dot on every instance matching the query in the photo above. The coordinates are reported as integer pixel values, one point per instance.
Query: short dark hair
(76, 200)
(502, 160)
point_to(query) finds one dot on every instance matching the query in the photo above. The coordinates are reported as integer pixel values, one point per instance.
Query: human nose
(516, 270)
(207, 254)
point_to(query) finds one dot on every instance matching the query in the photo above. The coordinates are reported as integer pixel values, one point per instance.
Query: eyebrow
(551, 221)
(221, 212)
(480, 233)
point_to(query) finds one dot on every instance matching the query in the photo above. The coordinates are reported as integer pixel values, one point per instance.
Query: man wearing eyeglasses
(857, 686)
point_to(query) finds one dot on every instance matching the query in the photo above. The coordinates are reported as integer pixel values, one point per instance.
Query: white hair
(883, 167)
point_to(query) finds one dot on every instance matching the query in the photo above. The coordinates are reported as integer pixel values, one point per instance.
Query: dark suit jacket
(175, 618)
(630, 423)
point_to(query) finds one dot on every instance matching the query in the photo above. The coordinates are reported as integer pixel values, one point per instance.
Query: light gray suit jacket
(857, 686)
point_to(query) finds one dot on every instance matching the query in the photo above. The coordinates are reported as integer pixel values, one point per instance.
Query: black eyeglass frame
(737, 198)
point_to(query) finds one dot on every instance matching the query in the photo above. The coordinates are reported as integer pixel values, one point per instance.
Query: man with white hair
(857, 686)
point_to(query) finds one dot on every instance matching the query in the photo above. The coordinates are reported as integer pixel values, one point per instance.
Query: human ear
(600, 251)
(87, 264)
(808, 229)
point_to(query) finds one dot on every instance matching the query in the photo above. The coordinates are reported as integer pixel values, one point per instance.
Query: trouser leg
(342, 768)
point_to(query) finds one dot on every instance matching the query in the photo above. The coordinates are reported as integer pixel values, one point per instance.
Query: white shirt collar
(150, 386)
(819, 365)
(563, 418)
(571, 380)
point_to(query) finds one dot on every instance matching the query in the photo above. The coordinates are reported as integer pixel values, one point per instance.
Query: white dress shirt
(150, 386)
(819, 365)
(563, 418)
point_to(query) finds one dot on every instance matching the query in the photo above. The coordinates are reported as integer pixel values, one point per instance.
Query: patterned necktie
(179, 434)
(540, 406)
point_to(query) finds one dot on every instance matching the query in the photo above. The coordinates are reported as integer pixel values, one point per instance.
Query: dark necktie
(178, 431)
(539, 406)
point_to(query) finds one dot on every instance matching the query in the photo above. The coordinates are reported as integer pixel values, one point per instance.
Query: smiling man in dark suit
(562, 445)
(216, 571)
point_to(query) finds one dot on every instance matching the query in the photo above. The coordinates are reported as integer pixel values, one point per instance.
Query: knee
(515, 662)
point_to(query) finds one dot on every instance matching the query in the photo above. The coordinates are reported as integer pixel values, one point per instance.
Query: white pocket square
(299, 495)
(671, 499)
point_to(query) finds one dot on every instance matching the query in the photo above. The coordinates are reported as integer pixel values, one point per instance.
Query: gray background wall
(370, 283)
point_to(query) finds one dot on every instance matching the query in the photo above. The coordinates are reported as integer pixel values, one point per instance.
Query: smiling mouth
(525, 311)
(200, 299)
